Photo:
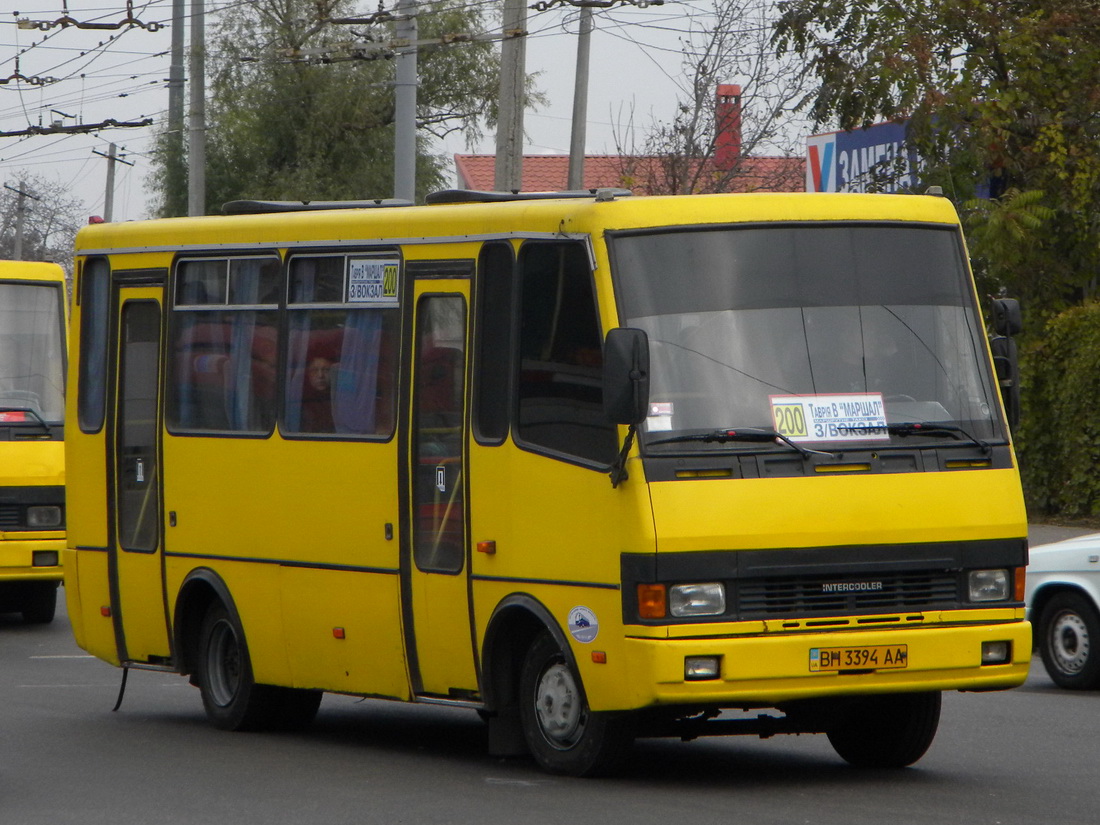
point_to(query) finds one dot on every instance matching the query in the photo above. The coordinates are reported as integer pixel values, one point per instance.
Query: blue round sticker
(583, 624)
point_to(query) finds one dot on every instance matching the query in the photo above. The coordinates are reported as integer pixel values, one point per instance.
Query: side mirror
(626, 375)
(1007, 320)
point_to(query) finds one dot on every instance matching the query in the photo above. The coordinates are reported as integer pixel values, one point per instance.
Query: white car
(1063, 604)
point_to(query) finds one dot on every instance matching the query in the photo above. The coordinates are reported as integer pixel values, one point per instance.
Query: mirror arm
(618, 472)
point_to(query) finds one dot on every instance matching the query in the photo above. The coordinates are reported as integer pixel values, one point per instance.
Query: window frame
(522, 440)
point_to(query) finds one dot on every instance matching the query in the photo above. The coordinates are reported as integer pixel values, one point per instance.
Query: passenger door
(435, 563)
(135, 550)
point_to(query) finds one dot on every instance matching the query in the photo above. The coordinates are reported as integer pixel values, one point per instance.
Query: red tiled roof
(644, 175)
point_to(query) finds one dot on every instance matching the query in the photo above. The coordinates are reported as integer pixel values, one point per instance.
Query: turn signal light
(652, 601)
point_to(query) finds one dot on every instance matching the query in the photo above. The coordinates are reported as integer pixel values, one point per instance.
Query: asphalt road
(1024, 756)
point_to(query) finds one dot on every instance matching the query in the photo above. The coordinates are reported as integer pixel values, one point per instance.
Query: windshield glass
(825, 332)
(31, 365)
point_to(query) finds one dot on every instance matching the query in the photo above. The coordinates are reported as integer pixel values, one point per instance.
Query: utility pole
(580, 102)
(109, 196)
(176, 140)
(404, 133)
(196, 145)
(508, 171)
(20, 213)
(175, 73)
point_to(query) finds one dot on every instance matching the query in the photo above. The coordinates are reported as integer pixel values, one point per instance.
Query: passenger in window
(317, 396)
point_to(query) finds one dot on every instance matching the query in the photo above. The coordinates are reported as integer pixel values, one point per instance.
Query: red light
(338, 633)
(105, 611)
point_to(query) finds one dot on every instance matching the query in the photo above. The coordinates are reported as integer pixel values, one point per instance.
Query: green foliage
(295, 112)
(1059, 438)
(1003, 235)
(998, 91)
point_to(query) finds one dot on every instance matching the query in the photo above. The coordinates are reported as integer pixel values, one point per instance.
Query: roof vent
(247, 207)
(476, 196)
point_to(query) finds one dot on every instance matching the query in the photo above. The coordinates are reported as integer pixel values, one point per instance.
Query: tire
(1068, 626)
(231, 697)
(39, 602)
(890, 731)
(562, 733)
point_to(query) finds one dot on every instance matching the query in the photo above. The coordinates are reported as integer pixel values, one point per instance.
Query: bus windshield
(31, 354)
(826, 332)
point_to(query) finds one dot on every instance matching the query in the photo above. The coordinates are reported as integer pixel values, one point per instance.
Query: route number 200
(790, 420)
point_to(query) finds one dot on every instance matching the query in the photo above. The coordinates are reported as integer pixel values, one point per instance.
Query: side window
(344, 316)
(560, 396)
(224, 345)
(494, 344)
(95, 295)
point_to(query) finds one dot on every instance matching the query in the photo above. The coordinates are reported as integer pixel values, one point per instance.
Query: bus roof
(31, 271)
(515, 215)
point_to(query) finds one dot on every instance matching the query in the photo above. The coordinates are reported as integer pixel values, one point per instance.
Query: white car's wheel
(1069, 641)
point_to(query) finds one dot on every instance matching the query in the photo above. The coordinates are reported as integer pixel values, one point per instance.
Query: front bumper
(17, 557)
(770, 669)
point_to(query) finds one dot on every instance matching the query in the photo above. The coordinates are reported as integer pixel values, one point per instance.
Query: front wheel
(890, 731)
(231, 697)
(39, 602)
(1067, 628)
(562, 733)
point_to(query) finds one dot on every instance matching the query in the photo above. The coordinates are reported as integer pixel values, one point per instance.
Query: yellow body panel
(892, 508)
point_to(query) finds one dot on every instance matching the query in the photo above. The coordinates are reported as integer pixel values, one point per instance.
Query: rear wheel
(231, 697)
(1067, 628)
(39, 602)
(562, 733)
(890, 731)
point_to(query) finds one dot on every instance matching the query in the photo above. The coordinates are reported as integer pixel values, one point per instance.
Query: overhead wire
(100, 84)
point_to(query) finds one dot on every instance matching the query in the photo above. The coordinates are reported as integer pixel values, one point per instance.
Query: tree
(1001, 97)
(51, 218)
(300, 108)
(725, 43)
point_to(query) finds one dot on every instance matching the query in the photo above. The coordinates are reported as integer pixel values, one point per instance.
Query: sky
(75, 76)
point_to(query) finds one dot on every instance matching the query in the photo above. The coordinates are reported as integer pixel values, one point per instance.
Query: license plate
(858, 658)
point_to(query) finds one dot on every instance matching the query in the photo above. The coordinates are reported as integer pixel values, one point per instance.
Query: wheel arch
(515, 623)
(201, 588)
(1046, 591)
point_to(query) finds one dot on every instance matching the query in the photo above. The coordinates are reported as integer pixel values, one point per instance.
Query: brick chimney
(727, 126)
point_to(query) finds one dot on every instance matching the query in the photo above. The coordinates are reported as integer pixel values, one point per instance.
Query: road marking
(65, 656)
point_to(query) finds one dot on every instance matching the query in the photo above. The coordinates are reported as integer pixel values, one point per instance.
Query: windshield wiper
(905, 428)
(761, 434)
(28, 411)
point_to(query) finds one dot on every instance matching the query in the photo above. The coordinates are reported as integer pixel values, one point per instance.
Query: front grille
(12, 516)
(810, 595)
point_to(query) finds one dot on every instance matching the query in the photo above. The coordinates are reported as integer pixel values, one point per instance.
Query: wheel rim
(1069, 642)
(223, 664)
(559, 707)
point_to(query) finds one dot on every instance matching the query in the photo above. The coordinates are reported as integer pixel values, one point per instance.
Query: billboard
(875, 159)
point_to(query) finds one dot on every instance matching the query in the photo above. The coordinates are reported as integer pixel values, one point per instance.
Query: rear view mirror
(1007, 320)
(626, 375)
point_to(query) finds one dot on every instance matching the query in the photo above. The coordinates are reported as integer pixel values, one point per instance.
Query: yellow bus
(598, 467)
(33, 325)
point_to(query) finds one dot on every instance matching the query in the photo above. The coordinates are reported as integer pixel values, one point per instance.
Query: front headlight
(990, 585)
(687, 600)
(44, 517)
